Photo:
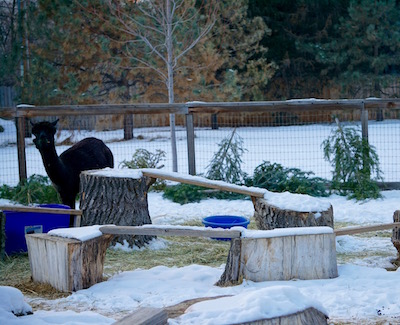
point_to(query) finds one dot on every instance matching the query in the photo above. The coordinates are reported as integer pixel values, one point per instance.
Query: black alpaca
(64, 170)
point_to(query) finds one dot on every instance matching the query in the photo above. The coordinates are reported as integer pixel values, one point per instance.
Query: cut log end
(268, 217)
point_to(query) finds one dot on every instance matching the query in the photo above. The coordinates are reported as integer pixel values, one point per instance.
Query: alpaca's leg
(70, 201)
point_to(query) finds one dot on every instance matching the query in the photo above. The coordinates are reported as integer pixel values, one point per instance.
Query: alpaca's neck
(53, 164)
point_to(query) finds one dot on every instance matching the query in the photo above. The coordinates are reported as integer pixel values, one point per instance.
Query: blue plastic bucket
(20, 223)
(225, 222)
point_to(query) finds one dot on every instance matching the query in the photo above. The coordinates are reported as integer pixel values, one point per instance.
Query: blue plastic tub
(20, 223)
(225, 222)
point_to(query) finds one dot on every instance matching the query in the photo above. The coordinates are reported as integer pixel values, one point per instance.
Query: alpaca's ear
(55, 122)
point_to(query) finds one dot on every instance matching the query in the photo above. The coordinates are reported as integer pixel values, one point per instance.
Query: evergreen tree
(365, 56)
(10, 43)
(296, 26)
(79, 56)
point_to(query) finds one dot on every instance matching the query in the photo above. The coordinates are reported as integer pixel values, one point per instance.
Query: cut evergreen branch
(226, 162)
(355, 162)
(276, 178)
(36, 189)
(143, 158)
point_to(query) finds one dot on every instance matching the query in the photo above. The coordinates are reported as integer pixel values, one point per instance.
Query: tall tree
(10, 43)
(296, 26)
(158, 34)
(367, 54)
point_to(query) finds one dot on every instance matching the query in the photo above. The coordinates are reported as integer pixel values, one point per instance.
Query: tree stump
(396, 235)
(67, 264)
(269, 216)
(116, 197)
(281, 254)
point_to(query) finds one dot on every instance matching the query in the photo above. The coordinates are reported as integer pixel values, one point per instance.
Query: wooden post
(128, 126)
(67, 264)
(190, 144)
(364, 122)
(20, 124)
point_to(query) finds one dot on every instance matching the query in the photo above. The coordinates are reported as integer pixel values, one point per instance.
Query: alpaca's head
(44, 133)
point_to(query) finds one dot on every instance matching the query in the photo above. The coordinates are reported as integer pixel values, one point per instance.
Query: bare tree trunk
(170, 83)
(116, 200)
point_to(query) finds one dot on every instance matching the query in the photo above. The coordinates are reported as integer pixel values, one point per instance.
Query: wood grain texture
(362, 229)
(145, 316)
(302, 257)
(170, 231)
(40, 210)
(309, 316)
(67, 264)
(396, 232)
(204, 182)
(120, 201)
(268, 216)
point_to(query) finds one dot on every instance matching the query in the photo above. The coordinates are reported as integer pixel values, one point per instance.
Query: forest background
(75, 52)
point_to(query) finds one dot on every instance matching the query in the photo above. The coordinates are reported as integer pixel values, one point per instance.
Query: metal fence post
(190, 144)
(20, 124)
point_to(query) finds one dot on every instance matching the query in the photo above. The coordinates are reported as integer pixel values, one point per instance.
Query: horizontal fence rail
(286, 132)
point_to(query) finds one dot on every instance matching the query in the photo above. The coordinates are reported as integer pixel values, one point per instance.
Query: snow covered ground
(364, 293)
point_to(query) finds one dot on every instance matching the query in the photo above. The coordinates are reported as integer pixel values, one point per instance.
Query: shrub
(226, 162)
(143, 158)
(354, 161)
(36, 189)
(184, 193)
(225, 166)
(277, 178)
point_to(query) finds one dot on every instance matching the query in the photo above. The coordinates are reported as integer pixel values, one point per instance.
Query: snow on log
(67, 264)
(276, 210)
(116, 197)
(301, 255)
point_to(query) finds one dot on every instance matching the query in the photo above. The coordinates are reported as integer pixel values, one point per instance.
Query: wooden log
(362, 229)
(67, 264)
(171, 231)
(231, 275)
(396, 233)
(145, 316)
(40, 210)
(269, 216)
(204, 182)
(113, 197)
(275, 257)
(309, 316)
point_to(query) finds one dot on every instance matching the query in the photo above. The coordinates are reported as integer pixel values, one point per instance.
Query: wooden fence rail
(22, 112)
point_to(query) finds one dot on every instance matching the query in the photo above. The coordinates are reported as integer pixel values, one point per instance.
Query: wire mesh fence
(292, 138)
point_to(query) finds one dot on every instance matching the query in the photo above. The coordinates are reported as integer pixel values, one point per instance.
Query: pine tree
(366, 55)
(296, 28)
